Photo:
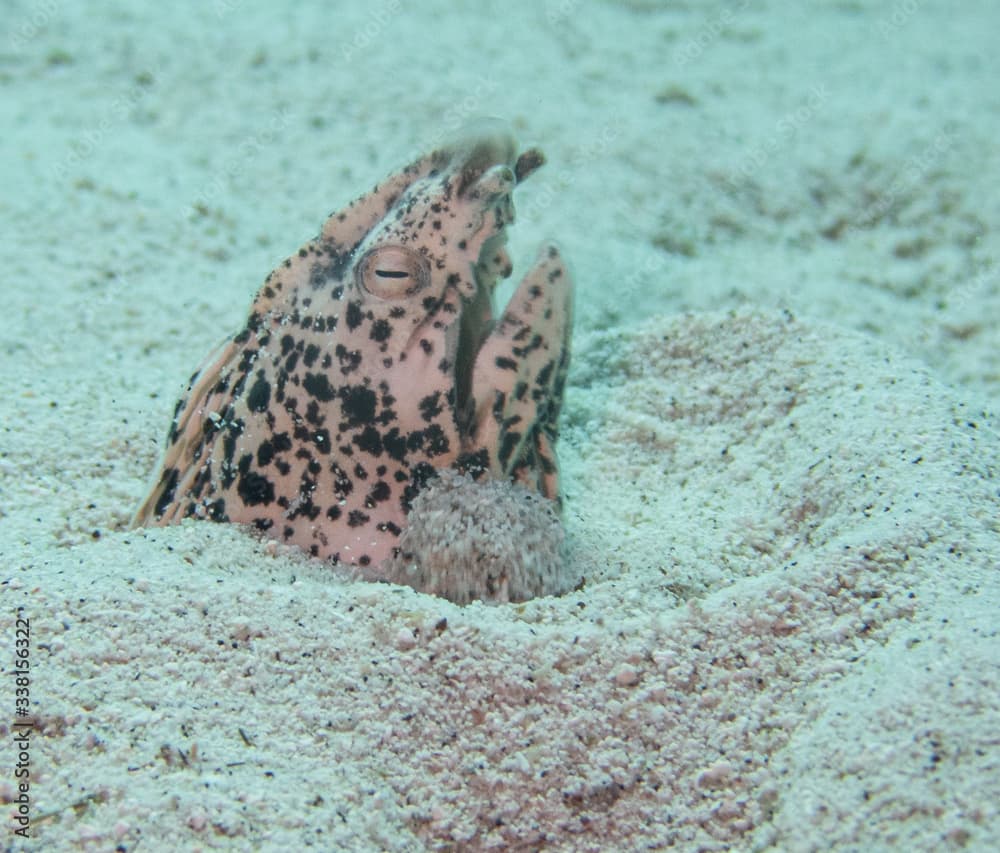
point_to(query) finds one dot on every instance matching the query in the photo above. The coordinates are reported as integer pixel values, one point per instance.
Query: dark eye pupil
(391, 274)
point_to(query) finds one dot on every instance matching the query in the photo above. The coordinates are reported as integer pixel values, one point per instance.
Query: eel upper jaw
(493, 187)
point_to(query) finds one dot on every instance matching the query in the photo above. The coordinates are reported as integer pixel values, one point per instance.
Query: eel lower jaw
(478, 324)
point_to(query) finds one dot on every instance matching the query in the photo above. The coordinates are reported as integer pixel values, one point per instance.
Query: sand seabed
(779, 446)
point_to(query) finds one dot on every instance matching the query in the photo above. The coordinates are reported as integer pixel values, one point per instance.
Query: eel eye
(392, 272)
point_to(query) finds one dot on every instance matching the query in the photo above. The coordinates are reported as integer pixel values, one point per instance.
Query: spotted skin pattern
(372, 358)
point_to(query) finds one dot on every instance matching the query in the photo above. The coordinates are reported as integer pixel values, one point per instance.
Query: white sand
(787, 638)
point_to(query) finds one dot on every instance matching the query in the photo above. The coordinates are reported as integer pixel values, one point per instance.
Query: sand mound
(786, 638)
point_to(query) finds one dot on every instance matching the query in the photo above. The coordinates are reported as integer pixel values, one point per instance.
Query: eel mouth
(491, 172)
